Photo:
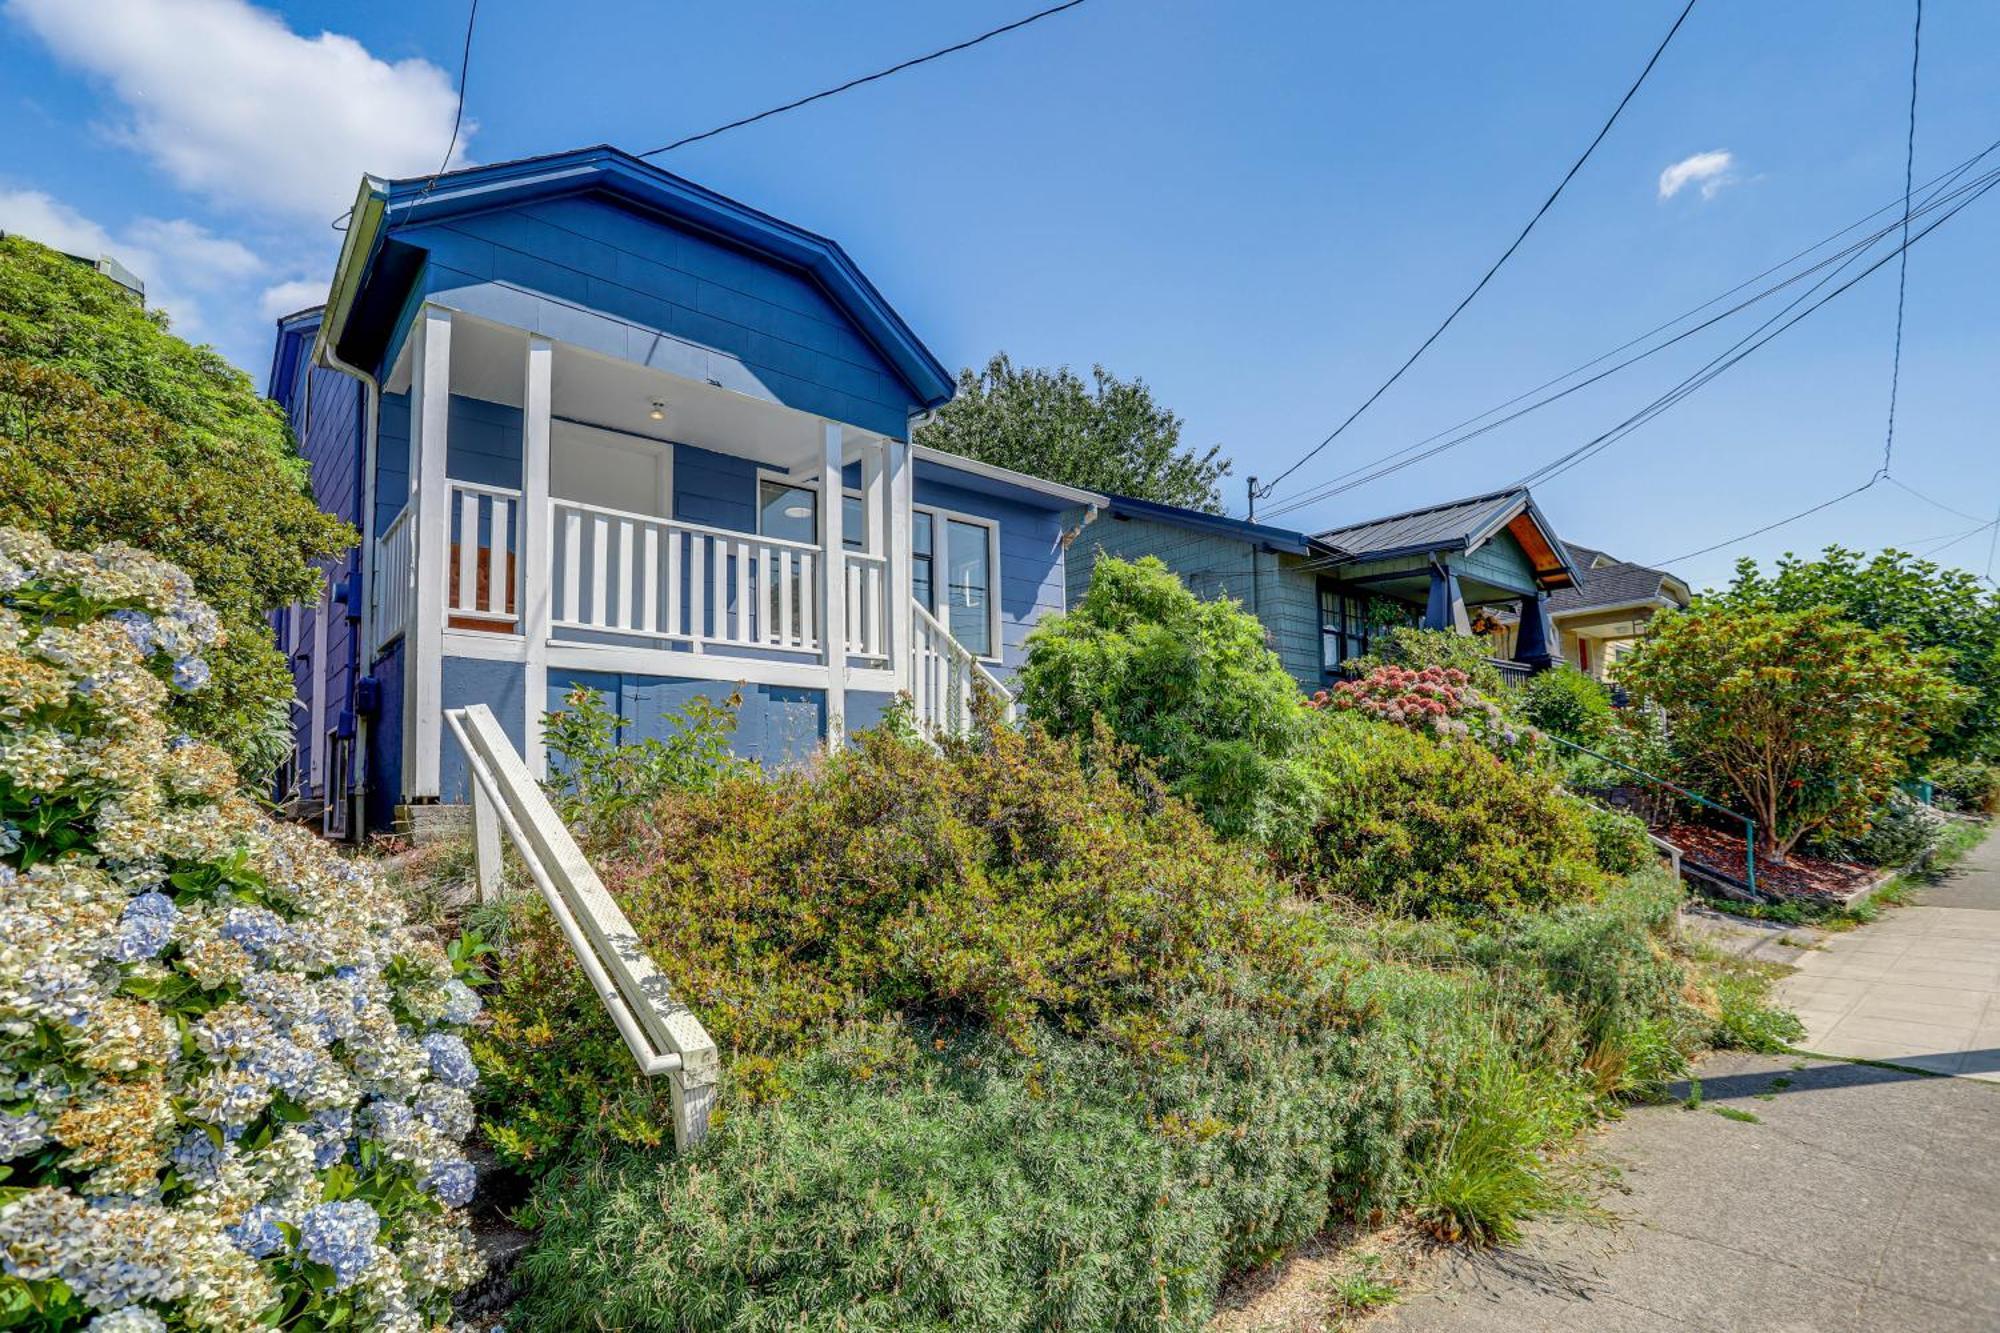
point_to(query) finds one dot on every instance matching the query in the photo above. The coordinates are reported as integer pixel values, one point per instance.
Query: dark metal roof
(1221, 525)
(1453, 525)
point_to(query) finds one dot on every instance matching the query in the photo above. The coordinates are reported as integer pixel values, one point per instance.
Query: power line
(898, 68)
(1935, 504)
(1839, 260)
(1480, 286)
(1771, 527)
(1903, 272)
(457, 116)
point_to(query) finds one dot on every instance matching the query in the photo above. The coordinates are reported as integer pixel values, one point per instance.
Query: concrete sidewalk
(1862, 1198)
(1920, 987)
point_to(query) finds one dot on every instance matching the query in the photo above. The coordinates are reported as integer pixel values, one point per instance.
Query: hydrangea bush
(232, 1088)
(1440, 701)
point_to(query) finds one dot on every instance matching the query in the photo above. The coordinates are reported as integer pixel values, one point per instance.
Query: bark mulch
(1799, 876)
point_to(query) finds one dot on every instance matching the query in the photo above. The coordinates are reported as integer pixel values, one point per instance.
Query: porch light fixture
(798, 511)
(659, 410)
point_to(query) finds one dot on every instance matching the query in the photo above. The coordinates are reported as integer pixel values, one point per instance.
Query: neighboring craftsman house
(1323, 596)
(600, 426)
(1607, 611)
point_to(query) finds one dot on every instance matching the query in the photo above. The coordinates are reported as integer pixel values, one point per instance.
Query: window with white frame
(954, 568)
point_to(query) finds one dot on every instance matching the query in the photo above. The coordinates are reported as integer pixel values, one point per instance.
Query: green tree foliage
(1570, 704)
(1189, 682)
(112, 429)
(1107, 435)
(1802, 719)
(1946, 609)
(1419, 649)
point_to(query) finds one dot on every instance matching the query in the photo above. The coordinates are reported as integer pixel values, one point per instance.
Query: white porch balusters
(430, 413)
(537, 544)
(833, 563)
(898, 497)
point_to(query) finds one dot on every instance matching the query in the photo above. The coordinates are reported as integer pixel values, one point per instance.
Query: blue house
(1322, 597)
(591, 421)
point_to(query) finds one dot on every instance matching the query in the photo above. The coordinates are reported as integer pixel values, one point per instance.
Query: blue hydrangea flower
(257, 1235)
(198, 1157)
(139, 626)
(453, 1182)
(255, 928)
(341, 1236)
(10, 837)
(329, 1131)
(461, 1004)
(21, 1134)
(144, 929)
(130, 1319)
(61, 991)
(451, 1061)
(190, 673)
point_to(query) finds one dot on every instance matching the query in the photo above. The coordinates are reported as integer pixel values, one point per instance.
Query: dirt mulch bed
(1800, 876)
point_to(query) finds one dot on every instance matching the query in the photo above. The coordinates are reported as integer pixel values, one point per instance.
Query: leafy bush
(1436, 701)
(603, 776)
(1190, 683)
(1621, 841)
(1424, 828)
(115, 430)
(1800, 719)
(1565, 701)
(1003, 885)
(1971, 785)
(231, 1082)
(1420, 649)
(1903, 831)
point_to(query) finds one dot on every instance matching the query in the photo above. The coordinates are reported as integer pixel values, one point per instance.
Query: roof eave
(357, 248)
(994, 472)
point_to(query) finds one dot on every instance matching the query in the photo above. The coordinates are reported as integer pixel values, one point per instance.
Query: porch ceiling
(488, 360)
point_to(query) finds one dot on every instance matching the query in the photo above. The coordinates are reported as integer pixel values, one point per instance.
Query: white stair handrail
(942, 672)
(663, 1034)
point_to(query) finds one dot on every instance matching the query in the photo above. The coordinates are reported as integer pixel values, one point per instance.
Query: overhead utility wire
(457, 116)
(1331, 486)
(1903, 273)
(898, 68)
(1507, 254)
(1730, 358)
(1839, 259)
(1902, 284)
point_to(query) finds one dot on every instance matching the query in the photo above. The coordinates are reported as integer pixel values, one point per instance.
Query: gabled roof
(387, 207)
(1460, 525)
(1277, 539)
(1617, 583)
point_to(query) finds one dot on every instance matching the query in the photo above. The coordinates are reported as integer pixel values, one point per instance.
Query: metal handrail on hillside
(1749, 824)
(663, 1035)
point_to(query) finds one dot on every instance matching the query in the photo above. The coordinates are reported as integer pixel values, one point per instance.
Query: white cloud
(284, 298)
(183, 264)
(232, 103)
(1711, 171)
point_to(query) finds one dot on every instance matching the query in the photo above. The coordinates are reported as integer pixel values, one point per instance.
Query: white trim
(992, 526)
(537, 545)
(430, 416)
(833, 584)
(994, 472)
(1612, 608)
(902, 565)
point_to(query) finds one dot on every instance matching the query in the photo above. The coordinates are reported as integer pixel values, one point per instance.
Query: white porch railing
(483, 574)
(942, 672)
(395, 577)
(867, 604)
(663, 1035)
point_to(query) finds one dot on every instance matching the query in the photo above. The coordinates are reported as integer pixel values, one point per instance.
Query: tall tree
(112, 429)
(1945, 609)
(1105, 435)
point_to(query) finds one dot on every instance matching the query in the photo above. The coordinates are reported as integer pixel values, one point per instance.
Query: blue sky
(1259, 209)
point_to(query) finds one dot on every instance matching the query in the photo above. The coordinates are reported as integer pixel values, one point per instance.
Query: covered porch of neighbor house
(542, 504)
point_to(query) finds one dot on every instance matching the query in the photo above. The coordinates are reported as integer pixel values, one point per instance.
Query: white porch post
(430, 411)
(833, 564)
(537, 548)
(896, 461)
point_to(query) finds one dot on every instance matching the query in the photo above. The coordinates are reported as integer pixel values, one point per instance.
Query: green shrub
(603, 777)
(1620, 839)
(1000, 886)
(1417, 649)
(1902, 831)
(1424, 828)
(1971, 785)
(114, 430)
(1565, 701)
(1190, 683)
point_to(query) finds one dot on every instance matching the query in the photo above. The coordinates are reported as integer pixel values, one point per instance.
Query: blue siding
(501, 686)
(483, 444)
(602, 275)
(385, 740)
(774, 725)
(717, 489)
(1031, 556)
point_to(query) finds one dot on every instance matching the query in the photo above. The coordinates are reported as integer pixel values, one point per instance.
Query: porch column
(1446, 608)
(430, 411)
(833, 566)
(1535, 644)
(898, 485)
(537, 558)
